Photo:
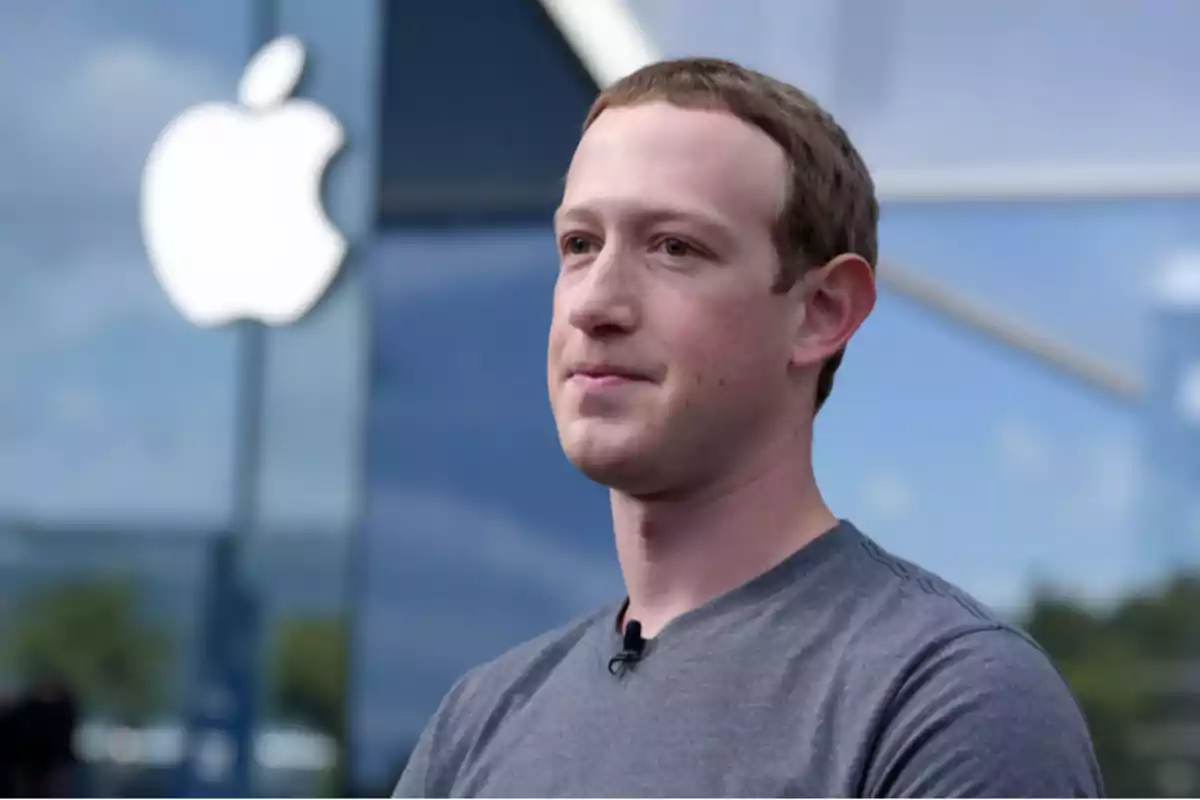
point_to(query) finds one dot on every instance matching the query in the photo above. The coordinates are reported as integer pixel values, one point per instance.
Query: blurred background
(239, 561)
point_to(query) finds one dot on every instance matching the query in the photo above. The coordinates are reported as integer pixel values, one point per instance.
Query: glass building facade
(386, 470)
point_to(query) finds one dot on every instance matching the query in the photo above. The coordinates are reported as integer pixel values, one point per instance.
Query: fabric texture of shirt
(842, 672)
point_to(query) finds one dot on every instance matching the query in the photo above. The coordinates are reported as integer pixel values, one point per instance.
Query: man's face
(668, 350)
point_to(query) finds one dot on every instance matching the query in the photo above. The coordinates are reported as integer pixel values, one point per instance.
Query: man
(8, 745)
(44, 728)
(717, 238)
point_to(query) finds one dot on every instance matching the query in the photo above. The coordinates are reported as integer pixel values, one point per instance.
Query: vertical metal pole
(251, 368)
(219, 758)
(224, 699)
(248, 444)
(242, 618)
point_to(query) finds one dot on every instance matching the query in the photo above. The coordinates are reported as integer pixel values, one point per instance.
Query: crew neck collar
(784, 574)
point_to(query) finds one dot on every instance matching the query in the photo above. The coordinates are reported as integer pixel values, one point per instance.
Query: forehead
(657, 155)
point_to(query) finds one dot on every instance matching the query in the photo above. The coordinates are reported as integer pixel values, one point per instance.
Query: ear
(835, 300)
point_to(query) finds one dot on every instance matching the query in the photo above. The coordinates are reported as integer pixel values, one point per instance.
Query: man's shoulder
(943, 635)
(913, 625)
(466, 713)
(904, 606)
(521, 668)
(953, 665)
(984, 712)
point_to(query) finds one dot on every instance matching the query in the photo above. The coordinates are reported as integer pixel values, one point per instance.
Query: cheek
(554, 360)
(725, 346)
(558, 326)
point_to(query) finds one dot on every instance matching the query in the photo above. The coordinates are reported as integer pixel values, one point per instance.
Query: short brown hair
(831, 207)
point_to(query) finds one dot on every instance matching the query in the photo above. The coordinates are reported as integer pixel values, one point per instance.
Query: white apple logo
(231, 211)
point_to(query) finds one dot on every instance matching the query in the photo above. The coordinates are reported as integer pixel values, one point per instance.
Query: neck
(679, 552)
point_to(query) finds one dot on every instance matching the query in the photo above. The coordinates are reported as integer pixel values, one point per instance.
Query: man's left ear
(836, 298)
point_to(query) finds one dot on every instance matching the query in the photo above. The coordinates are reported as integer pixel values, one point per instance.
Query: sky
(946, 448)
(939, 83)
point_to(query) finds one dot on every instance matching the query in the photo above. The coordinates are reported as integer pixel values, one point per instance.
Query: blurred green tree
(1114, 661)
(91, 633)
(308, 684)
(309, 674)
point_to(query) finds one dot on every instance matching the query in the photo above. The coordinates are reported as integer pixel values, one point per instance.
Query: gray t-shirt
(842, 672)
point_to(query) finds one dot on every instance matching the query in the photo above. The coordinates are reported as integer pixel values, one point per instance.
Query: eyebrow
(650, 215)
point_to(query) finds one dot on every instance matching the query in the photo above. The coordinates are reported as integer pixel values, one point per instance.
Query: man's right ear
(835, 300)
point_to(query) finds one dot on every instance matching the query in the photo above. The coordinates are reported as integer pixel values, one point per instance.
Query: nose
(606, 301)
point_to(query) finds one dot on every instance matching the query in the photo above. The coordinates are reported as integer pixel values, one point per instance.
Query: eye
(676, 248)
(576, 245)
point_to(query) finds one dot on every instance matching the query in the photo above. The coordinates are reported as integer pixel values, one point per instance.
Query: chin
(622, 474)
(621, 460)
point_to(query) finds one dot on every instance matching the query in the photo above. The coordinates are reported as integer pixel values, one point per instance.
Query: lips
(607, 372)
